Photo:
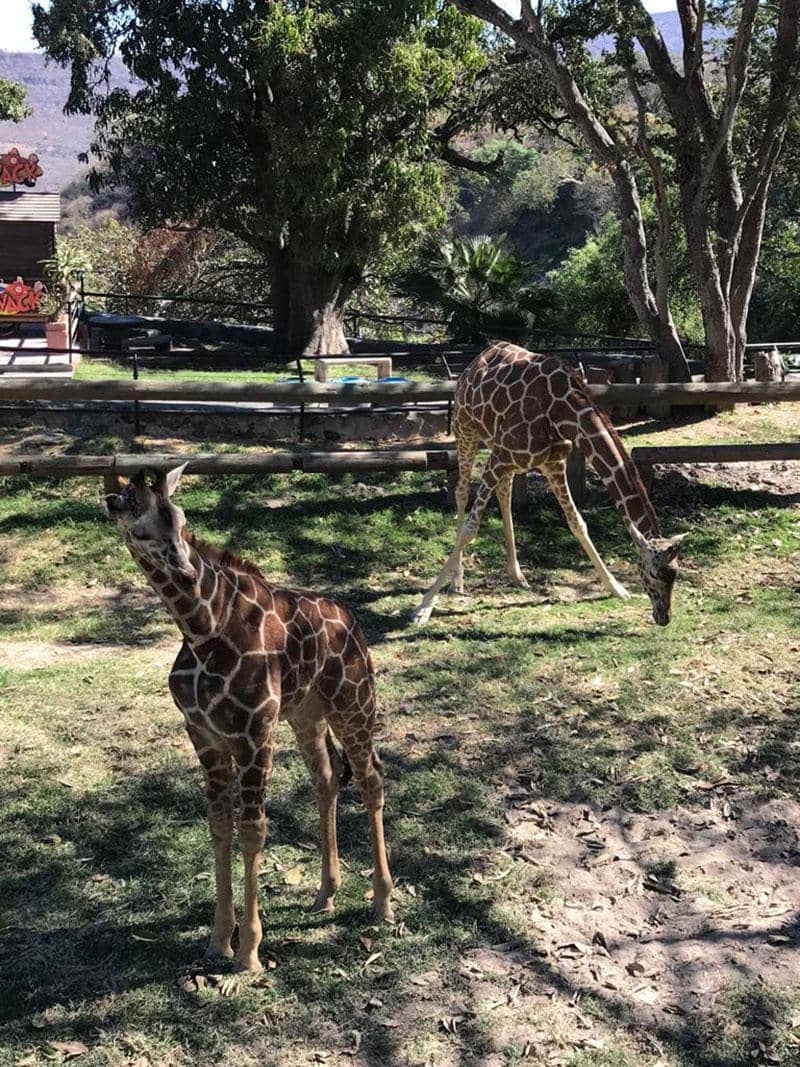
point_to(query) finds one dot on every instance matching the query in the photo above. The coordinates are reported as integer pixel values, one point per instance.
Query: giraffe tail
(338, 760)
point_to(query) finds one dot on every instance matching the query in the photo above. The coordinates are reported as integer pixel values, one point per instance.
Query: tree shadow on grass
(86, 940)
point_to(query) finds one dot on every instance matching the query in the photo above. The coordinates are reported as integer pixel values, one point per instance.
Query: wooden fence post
(769, 366)
(654, 369)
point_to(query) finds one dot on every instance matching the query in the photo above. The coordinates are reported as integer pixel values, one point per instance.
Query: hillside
(56, 137)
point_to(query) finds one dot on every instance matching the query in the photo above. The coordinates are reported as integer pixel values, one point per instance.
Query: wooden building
(27, 233)
(28, 223)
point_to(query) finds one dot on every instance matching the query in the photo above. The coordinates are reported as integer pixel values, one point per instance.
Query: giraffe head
(151, 525)
(658, 567)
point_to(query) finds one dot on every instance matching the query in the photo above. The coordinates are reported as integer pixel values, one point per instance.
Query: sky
(17, 22)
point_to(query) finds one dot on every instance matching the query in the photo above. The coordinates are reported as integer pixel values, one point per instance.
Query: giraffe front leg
(254, 777)
(556, 475)
(217, 767)
(503, 494)
(495, 470)
(465, 535)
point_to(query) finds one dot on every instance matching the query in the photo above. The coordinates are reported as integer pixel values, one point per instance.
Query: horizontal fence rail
(342, 461)
(353, 393)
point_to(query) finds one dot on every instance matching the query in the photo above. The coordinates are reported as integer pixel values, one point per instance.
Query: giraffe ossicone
(255, 652)
(531, 411)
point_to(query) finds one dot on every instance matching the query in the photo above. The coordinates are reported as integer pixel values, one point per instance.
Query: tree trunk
(308, 307)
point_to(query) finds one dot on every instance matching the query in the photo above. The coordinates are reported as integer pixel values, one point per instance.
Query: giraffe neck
(603, 449)
(198, 608)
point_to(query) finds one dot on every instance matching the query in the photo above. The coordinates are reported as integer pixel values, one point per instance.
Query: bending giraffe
(531, 411)
(254, 653)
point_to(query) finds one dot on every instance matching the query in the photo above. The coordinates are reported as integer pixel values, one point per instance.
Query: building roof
(30, 207)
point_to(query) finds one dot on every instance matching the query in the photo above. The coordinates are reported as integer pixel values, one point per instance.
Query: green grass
(104, 369)
(104, 859)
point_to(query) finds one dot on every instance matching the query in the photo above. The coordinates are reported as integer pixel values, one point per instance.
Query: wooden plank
(646, 457)
(733, 453)
(702, 393)
(231, 462)
(243, 392)
(361, 461)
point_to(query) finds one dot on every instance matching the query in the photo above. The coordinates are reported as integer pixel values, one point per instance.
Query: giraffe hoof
(421, 615)
(321, 905)
(382, 912)
(217, 955)
(619, 590)
(249, 968)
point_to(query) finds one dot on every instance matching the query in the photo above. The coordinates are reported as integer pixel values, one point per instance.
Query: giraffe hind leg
(326, 768)
(354, 728)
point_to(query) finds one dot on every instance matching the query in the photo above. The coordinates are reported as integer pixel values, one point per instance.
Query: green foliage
(545, 196)
(590, 285)
(775, 307)
(305, 129)
(13, 97)
(481, 288)
(525, 180)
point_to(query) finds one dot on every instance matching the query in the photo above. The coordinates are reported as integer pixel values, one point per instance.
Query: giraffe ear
(675, 543)
(638, 538)
(172, 478)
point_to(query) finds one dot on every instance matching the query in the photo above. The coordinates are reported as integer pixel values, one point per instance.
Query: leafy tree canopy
(13, 97)
(304, 128)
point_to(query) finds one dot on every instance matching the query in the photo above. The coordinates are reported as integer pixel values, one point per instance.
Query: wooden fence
(355, 393)
(333, 461)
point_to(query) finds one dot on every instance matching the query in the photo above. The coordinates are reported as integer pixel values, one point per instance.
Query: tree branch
(736, 77)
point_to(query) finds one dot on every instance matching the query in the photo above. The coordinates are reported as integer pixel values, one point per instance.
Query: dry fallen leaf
(70, 1049)
(294, 876)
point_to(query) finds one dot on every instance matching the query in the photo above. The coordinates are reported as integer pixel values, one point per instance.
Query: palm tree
(481, 288)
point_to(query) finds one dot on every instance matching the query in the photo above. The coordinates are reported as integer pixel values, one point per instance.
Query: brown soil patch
(33, 655)
(661, 913)
(72, 595)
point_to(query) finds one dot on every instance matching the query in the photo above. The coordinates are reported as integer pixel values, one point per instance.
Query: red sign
(17, 298)
(16, 169)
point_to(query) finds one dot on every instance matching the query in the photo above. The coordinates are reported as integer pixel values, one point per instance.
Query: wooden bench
(323, 364)
(650, 456)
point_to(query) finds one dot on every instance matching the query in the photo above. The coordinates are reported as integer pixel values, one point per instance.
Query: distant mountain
(669, 24)
(54, 136)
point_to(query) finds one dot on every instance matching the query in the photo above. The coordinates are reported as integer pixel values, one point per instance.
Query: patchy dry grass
(592, 820)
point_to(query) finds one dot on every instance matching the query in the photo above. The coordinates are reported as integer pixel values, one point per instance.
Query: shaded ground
(593, 821)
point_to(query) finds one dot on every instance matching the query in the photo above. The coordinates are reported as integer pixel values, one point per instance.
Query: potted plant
(58, 270)
(55, 328)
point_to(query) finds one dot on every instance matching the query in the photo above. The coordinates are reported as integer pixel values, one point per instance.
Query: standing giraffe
(253, 653)
(531, 410)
